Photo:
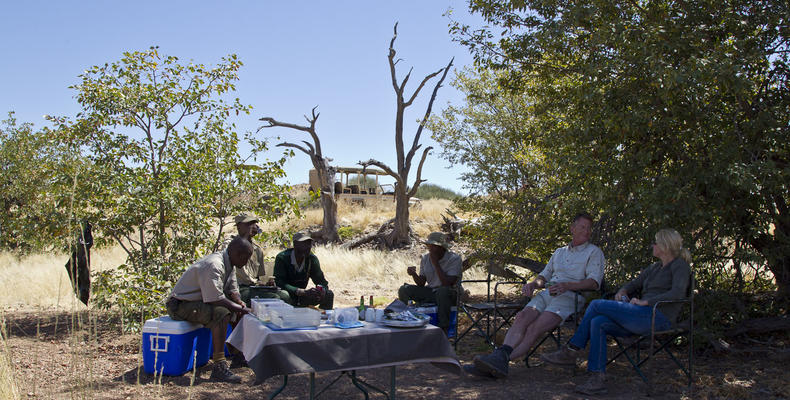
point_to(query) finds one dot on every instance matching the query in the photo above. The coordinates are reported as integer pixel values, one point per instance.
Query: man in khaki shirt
(252, 278)
(577, 266)
(208, 293)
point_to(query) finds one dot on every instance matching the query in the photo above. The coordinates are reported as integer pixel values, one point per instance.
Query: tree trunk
(400, 232)
(329, 230)
(781, 270)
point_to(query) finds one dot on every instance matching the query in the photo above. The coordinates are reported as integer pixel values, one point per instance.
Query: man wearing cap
(294, 267)
(440, 269)
(207, 293)
(252, 276)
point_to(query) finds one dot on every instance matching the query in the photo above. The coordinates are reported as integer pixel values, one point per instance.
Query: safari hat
(301, 237)
(439, 239)
(245, 218)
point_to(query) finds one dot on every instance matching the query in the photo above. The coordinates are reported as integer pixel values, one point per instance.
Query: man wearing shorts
(208, 294)
(577, 266)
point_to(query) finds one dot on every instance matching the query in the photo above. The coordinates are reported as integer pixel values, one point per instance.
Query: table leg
(280, 389)
(358, 385)
(312, 385)
(392, 382)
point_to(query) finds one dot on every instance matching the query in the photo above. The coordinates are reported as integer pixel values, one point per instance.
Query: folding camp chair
(490, 316)
(658, 341)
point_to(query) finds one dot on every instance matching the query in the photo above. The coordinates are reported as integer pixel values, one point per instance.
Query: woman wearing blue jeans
(629, 315)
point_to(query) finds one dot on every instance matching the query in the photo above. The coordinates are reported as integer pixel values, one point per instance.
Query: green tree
(659, 113)
(167, 175)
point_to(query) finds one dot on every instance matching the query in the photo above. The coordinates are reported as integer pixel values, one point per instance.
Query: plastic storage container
(286, 318)
(170, 347)
(432, 312)
(259, 306)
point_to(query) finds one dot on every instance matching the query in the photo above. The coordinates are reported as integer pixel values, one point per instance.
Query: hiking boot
(595, 385)
(238, 361)
(563, 356)
(220, 372)
(495, 363)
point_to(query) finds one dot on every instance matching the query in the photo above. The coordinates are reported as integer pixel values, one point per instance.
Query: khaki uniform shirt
(574, 264)
(248, 274)
(450, 263)
(209, 279)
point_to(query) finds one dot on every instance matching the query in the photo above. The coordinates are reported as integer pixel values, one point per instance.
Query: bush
(431, 191)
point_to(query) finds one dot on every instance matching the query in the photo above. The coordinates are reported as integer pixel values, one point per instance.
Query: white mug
(370, 314)
(379, 315)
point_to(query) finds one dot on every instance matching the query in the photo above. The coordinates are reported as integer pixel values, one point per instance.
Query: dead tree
(399, 235)
(328, 232)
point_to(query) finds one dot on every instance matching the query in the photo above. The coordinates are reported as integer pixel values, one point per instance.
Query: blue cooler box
(172, 345)
(431, 312)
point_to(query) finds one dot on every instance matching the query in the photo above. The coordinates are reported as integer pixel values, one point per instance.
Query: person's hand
(559, 288)
(638, 302)
(300, 292)
(411, 270)
(244, 310)
(619, 295)
(270, 282)
(528, 289)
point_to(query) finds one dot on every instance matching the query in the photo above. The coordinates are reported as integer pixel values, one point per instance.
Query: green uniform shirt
(291, 278)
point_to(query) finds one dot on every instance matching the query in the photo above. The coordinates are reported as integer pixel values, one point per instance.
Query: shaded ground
(52, 360)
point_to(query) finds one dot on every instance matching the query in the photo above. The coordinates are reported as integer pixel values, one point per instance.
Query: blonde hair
(671, 241)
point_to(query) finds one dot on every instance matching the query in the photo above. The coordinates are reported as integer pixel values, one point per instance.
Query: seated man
(249, 276)
(207, 293)
(577, 266)
(440, 268)
(294, 267)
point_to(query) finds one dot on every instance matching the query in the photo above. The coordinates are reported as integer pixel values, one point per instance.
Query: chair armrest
(496, 287)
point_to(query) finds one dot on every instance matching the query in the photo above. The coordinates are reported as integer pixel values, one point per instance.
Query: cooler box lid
(166, 325)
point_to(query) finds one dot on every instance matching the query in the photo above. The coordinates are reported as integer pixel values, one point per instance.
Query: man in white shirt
(577, 266)
(440, 270)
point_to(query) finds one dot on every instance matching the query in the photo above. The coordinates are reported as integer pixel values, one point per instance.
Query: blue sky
(296, 54)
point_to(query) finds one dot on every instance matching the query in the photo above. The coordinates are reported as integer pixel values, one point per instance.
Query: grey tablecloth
(327, 348)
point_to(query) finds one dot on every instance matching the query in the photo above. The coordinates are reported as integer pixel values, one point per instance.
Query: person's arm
(635, 284)
(211, 289)
(281, 264)
(235, 307)
(419, 280)
(316, 274)
(529, 288)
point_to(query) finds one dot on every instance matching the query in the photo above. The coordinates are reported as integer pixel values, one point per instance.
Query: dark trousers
(444, 297)
(325, 303)
(250, 292)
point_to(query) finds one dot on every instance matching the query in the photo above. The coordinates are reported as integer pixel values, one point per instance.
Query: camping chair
(571, 323)
(657, 341)
(487, 317)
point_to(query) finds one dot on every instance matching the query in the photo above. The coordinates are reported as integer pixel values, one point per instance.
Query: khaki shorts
(561, 305)
(197, 311)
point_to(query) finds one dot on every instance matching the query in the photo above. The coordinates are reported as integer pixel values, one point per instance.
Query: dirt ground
(51, 361)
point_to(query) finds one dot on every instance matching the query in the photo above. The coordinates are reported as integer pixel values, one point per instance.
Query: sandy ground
(51, 361)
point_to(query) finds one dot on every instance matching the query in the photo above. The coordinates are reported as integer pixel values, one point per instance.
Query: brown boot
(563, 356)
(595, 385)
(220, 372)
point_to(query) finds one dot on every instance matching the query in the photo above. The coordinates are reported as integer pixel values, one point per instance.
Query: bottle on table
(361, 308)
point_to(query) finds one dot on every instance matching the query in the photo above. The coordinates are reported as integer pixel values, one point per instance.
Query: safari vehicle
(357, 186)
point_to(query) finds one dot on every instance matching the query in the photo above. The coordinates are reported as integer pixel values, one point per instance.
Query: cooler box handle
(155, 341)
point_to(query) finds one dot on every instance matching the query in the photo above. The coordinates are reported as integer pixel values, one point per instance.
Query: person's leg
(600, 327)
(515, 334)
(445, 297)
(244, 292)
(545, 322)
(420, 294)
(582, 334)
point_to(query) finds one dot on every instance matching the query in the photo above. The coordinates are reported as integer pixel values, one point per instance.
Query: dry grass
(8, 384)
(41, 281)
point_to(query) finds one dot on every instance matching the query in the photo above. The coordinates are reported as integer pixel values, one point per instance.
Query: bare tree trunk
(321, 164)
(400, 234)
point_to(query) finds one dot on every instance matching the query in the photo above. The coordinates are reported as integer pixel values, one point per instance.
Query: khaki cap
(439, 239)
(245, 218)
(301, 237)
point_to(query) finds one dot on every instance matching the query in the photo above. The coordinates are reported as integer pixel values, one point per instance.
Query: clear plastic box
(295, 317)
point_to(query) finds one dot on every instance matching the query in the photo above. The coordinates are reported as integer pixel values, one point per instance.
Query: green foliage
(166, 173)
(649, 114)
(347, 232)
(431, 191)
